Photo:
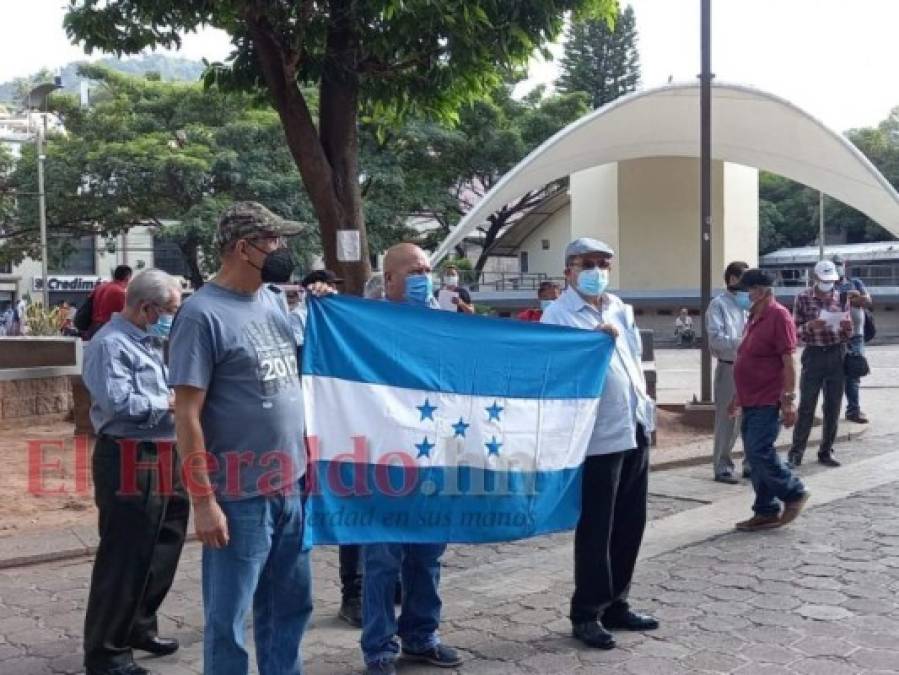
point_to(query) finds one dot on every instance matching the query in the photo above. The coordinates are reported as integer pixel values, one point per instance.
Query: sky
(837, 59)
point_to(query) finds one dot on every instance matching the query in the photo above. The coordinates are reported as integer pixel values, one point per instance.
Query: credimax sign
(66, 283)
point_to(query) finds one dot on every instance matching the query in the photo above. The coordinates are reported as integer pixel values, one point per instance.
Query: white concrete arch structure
(749, 127)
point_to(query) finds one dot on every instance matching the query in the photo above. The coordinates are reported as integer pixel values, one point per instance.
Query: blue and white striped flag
(427, 426)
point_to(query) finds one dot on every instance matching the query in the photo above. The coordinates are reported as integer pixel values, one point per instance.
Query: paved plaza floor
(818, 597)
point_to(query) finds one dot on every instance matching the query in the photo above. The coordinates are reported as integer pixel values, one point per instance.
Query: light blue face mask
(162, 327)
(544, 304)
(419, 289)
(742, 300)
(592, 282)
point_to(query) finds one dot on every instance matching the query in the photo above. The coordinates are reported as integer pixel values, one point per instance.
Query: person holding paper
(451, 296)
(823, 324)
(859, 300)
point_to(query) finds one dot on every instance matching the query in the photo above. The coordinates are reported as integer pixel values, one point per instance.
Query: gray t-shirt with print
(241, 350)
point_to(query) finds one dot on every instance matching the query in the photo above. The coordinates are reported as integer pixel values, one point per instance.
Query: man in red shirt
(765, 380)
(109, 298)
(547, 292)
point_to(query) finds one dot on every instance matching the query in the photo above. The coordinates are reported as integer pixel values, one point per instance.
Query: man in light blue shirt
(142, 506)
(616, 470)
(724, 322)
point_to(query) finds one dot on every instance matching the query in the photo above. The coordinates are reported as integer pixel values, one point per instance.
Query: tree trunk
(327, 162)
(190, 251)
(497, 222)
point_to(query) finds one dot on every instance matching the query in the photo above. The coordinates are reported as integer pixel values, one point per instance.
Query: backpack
(870, 327)
(84, 315)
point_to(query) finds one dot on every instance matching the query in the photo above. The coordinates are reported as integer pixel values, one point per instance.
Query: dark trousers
(822, 369)
(772, 480)
(609, 533)
(350, 557)
(143, 521)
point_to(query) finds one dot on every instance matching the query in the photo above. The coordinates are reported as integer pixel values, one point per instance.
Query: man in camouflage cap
(251, 219)
(239, 406)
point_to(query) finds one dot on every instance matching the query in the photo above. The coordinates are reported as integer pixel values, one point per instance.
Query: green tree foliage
(601, 58)
(382, 58)
(150, 152)
(788, 211)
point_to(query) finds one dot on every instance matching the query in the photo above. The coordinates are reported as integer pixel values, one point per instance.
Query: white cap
(825, 270)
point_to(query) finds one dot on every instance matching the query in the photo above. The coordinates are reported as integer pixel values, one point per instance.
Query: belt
(826, 348)
(730, 363)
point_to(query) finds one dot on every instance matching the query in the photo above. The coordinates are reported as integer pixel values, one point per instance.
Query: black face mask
(277, 266)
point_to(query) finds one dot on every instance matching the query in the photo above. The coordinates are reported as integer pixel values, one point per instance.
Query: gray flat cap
(587, 245)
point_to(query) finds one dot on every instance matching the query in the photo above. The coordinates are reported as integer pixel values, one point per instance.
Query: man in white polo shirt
(616, 471)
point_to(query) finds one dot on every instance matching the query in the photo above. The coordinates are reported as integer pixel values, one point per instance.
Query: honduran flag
(426, 426)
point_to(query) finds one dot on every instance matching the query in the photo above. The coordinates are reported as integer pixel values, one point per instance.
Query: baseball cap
(585, 245)
(755, 277)
(323, 276)
(825, 270)
(248, 219)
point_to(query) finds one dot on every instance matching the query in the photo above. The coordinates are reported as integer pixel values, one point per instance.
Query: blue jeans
(856, 346)
(419, 566)
(771, 479)
(264, 565)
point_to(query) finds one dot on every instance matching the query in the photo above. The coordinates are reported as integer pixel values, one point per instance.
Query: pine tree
(603, 62)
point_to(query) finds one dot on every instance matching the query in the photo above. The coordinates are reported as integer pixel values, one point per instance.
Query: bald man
(407, 279)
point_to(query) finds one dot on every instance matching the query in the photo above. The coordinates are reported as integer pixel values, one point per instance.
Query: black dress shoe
(130, 669)
(794, 459)
(351, 611)
(630, 621)
(727, 478)
(828, 460)
(592, 634)
(156, 645)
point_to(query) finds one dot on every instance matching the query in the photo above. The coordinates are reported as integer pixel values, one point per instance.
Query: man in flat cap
(239, 423)
(616, 471)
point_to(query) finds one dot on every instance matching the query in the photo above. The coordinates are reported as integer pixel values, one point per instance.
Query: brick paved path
(821, 597)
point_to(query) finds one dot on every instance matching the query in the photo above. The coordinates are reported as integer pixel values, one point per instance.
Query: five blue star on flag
(493, 446)
(460, 427)
(424, 448)
(426, 410)
(494, 411)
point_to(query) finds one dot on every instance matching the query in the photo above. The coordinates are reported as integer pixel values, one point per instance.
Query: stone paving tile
(818, 598)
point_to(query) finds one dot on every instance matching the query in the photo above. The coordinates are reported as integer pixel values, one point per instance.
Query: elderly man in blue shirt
(143, 509)
(616, 471)
(725, 321)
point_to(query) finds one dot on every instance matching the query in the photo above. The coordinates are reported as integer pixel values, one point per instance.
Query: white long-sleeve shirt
(624, 402)
(724, 324)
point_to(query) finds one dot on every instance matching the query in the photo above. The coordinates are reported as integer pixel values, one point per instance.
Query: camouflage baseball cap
(249, 219)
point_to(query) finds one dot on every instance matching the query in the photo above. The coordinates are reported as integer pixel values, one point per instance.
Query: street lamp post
(42, 214)
(705, 192)
(37, 98)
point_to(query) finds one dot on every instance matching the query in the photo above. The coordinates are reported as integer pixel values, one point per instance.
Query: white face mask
(825, 286)
(451, 281)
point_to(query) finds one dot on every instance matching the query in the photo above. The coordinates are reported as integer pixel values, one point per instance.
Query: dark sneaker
(858, 418)
(758, 522)
(793, 509)
(630, 621)
(794, 459)
(351, 611)
(827, 459)
(592, 634)
(128, 669)
(381, 668)
(440, 656)
(747, 471)
(727, 478)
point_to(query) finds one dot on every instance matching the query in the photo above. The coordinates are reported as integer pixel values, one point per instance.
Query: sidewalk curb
(698, 459)
(85, 549)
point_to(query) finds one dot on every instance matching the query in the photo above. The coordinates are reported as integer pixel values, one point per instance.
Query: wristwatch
(788, 397)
